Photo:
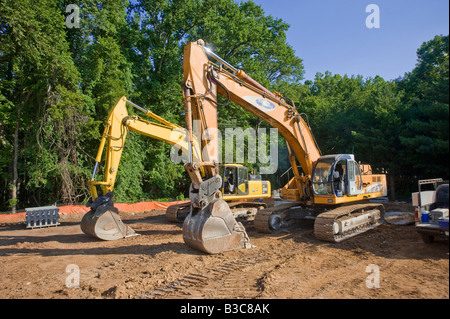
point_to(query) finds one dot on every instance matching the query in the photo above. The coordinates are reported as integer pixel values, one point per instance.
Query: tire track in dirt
(238, 274)
(322, 275)
(230, 275)
(204, 284)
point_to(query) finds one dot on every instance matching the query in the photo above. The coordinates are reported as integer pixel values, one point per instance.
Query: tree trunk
(392, 186)
(14, 188)
(15, 169)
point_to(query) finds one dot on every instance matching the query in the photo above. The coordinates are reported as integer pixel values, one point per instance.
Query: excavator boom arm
(210, 226)
(103, 220)
(114, 137)
(205, 80)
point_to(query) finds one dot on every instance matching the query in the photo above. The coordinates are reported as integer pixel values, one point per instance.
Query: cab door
(354, 186)
(229, 180)
(242, 181)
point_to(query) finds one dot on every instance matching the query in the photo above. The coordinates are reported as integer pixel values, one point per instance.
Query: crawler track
(273, 218)
(177, 213)
(262, 221)
(325, 222)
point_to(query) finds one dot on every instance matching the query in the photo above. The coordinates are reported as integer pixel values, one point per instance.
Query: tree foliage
(425, 132)
(57, 85)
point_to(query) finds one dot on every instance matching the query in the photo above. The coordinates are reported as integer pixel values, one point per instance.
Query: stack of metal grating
(37, 217)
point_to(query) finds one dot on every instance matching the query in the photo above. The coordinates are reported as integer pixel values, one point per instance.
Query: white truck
(431, 209)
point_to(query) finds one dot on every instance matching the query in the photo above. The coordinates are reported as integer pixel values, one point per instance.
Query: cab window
(321, 180)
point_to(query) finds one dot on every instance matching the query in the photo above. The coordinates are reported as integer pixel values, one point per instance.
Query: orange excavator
(333, 189)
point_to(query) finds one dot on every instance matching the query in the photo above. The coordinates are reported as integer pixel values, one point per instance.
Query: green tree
(240, 33)
(58, 84)
(36, 70)
(425, 137)
(97, 48)
(356, 116)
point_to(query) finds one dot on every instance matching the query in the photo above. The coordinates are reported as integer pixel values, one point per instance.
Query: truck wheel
(428, 239)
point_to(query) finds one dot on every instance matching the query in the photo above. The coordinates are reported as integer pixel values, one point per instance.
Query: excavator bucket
(103, 222)
(214, 230)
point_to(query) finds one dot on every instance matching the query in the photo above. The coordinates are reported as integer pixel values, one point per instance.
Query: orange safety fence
(140, 207)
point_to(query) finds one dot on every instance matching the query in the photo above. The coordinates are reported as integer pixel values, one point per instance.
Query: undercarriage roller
(105, 223)
(214, 229)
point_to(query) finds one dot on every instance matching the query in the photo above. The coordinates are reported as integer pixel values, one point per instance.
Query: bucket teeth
(214, 230)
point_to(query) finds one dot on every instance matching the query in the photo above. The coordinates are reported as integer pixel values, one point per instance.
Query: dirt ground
(36, 263)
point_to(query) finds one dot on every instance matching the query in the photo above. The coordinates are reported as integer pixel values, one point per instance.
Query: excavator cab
(235, 180)
(237, 184)
(337, 176)
(242, 180)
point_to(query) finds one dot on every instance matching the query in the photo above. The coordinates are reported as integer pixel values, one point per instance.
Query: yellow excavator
(333, 189)
(238, 188)
(103, 220)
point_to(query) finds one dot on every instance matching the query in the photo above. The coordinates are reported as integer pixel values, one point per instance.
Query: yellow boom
(115, 133)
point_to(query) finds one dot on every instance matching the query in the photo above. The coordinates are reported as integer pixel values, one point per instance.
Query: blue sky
(331, 35)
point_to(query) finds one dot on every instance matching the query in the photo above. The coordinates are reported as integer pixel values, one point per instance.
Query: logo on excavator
(262, 104)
